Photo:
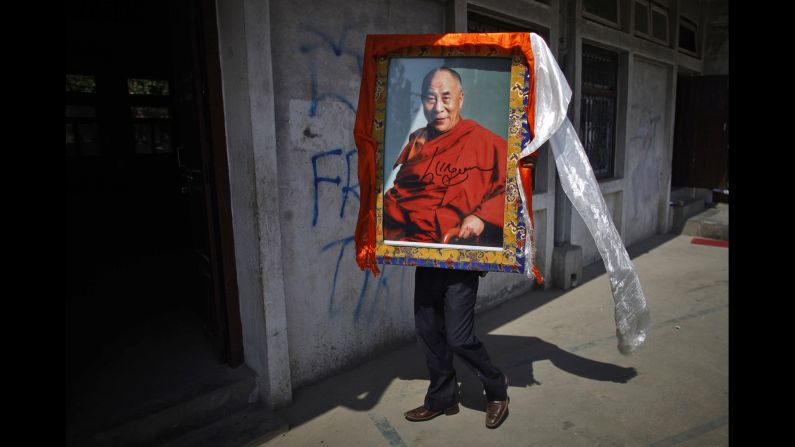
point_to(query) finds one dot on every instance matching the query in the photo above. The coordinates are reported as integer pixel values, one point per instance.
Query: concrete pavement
(569, 384)
(711, 223)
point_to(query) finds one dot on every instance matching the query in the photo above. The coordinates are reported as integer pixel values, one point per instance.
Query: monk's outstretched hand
(471, 226)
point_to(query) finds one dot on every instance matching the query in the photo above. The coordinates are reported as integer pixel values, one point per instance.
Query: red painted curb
(711, 242)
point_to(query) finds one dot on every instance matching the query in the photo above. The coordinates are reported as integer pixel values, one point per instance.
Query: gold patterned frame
(511, 257)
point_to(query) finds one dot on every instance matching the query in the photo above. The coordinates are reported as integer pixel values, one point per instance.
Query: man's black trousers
(444, 318)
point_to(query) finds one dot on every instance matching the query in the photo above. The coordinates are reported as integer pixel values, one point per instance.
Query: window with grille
(82, 131)
(150, 112)
(598, 108)
(76, 83)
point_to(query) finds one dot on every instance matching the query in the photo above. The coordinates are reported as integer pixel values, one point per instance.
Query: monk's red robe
(444, 180)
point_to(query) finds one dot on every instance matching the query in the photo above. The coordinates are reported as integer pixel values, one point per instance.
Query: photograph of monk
(445, 152)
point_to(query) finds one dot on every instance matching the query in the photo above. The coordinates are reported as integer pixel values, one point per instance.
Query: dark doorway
(152, 308)
(701, 133)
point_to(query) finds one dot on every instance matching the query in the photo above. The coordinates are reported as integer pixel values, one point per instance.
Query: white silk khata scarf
(579, 183)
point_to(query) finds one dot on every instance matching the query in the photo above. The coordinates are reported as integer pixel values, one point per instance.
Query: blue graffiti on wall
(388, 288)
(342, 244)
(317, 180)
(347, 190)
(337, 46)
(364, 309)
(327, 96)
(382, 285)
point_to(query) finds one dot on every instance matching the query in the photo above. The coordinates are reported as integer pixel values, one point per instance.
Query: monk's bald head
(449, 70)
(442, 99)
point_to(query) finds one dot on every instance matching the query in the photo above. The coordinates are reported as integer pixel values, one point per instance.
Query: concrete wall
(648, 157)
(244, 44)
(336, 313)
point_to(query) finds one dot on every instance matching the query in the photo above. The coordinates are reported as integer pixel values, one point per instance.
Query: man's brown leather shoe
(421, 413)
(496, 411)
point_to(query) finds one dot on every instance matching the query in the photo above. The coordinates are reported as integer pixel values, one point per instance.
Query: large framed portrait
(447, 128)
(449, 123)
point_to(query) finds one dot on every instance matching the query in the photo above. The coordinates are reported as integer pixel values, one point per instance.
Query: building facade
(291, 72)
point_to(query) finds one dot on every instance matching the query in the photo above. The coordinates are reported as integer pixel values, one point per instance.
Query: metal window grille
(82, 130)
(151, 115)
(598, 108)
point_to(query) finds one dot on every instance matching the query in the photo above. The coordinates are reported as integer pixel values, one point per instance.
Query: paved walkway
(711, 223)
(569, 384)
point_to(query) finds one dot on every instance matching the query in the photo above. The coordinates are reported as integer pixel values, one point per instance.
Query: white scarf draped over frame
(579, 183)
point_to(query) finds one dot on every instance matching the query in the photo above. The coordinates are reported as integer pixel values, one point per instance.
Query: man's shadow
(361, 387)
(515, 356)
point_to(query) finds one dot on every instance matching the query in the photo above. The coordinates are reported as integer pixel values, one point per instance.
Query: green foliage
(80, 84)
(148, 87)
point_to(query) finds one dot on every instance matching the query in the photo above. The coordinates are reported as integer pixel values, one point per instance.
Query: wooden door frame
(685, 172)
(220, 212)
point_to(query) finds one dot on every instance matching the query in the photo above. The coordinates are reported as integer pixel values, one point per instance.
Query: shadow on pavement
(363, 386)
(515, 356)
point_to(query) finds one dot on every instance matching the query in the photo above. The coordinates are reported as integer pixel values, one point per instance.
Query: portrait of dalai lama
(450, 182)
